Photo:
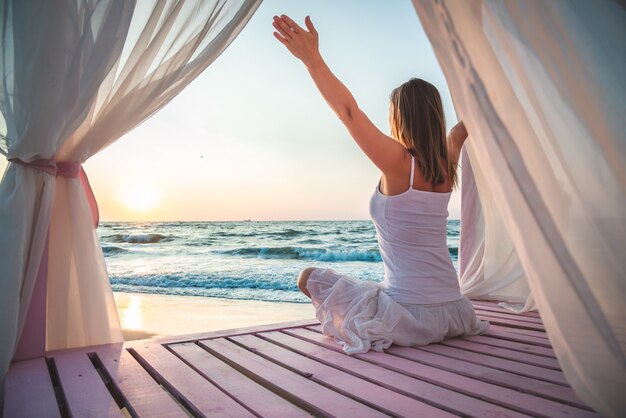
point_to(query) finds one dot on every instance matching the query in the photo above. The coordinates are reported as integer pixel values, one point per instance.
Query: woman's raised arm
(382, 150)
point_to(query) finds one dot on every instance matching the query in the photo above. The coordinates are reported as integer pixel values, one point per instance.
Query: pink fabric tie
(67, 169)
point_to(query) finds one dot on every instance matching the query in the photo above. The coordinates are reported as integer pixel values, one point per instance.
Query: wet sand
(148, 315)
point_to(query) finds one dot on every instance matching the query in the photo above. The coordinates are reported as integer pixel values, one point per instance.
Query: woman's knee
(303, 278)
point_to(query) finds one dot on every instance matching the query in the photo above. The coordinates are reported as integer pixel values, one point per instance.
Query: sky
(252, 138)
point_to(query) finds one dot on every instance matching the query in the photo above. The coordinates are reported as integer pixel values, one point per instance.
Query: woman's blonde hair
(418, 123)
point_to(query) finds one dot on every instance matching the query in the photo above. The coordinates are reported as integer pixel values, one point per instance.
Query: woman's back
(412, 228)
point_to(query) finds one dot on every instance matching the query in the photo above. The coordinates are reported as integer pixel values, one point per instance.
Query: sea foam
(138, 238)
(301, 253)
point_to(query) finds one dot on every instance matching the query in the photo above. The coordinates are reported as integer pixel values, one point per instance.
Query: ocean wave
(290, 233)
(110, 250)
(312, 254)
(365, 228)
(310, 241)
(283, 234)
(233, 234)
(183, 280)
(278, 289)
(138, 238)
(298, 253)
(272, 231)
(200, 241)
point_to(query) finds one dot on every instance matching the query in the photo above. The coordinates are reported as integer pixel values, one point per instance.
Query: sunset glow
(261, 143)
(140, 197)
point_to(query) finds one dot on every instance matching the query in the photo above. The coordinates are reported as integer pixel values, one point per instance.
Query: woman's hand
(383, 151)
(302, 44)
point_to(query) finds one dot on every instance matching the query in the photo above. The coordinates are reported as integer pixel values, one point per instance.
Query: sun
(140, 197)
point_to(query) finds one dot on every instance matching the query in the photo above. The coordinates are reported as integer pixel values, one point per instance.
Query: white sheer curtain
(540, 86)
(75, 77)
(489, 267)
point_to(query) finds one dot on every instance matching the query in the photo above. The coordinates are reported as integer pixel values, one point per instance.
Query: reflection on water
(130, 315)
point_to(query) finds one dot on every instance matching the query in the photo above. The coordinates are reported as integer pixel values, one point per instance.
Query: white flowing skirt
(361, 316)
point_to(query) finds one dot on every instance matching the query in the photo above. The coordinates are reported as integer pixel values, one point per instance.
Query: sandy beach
(148, 315)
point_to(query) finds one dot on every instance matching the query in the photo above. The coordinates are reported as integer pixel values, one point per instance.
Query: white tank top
(411, 231)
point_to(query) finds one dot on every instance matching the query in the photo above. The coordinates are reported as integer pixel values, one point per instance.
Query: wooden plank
(512, 345)
(437, 396)
(502, 333)
(388, 401)
(221, 333)
(503, 377)
(508, 314)
(519, 321)
(257, 398)
(316, 328)
(511, 316)
(312, 397)
(508, 328)
(498, 308)
(535, 372)
(463, 368)
(466, 400)
(85, 392)
(142, 394)
(547, 362)
(26, 381)
(189, 387)
(511, 323)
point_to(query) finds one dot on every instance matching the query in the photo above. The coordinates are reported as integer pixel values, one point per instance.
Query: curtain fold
(489, 267)
(75, 77)
(540, 88)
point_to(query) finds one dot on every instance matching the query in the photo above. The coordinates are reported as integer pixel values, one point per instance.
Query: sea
(248, 260)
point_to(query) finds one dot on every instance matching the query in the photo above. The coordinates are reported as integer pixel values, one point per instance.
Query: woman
(419, 302)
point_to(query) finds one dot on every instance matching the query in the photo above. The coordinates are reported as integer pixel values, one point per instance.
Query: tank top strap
(412, 172)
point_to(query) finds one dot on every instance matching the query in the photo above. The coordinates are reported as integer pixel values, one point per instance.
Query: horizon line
(251, 220)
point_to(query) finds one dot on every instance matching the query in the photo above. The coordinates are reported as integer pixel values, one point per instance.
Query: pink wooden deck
(292, 370)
